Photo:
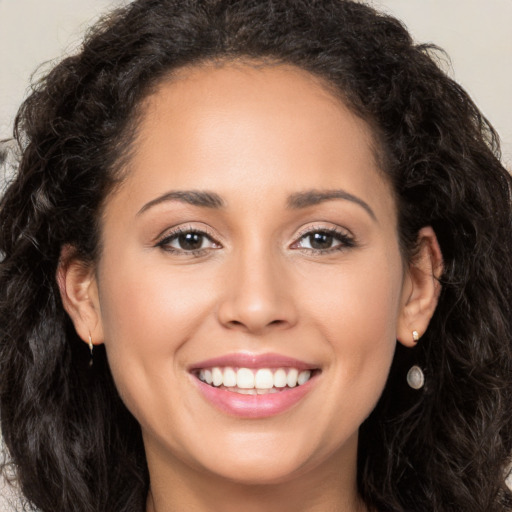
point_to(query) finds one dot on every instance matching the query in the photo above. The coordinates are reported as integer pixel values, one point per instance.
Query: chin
(271, 460)
(261, 471)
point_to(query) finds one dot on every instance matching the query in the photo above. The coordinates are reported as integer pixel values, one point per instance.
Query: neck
(178, 486)
(271, 498)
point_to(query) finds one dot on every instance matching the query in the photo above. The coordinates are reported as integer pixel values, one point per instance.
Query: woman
(257, 254)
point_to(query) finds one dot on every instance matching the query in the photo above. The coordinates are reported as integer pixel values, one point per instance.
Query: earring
(415, 377)
(91, 348)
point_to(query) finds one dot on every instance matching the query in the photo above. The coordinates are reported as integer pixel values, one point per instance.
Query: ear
(421, 288)
(79, 293)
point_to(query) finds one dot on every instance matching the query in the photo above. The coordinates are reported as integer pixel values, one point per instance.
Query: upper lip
(248, 360)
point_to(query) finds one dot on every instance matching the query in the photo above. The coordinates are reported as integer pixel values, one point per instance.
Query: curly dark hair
(74, 445)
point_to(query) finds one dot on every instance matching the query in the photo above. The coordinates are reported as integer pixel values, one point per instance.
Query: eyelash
(347, 241)
(184, 230)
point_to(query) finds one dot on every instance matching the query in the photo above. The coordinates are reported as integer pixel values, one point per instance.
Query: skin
(255, 137)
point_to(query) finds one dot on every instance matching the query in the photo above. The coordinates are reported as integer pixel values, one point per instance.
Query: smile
(251, 381)
(254, 385)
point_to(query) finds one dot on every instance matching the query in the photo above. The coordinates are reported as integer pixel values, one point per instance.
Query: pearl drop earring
(415, 377)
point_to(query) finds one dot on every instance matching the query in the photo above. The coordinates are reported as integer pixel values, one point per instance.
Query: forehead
(223, 127)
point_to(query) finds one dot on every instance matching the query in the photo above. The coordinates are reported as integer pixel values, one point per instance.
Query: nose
(258, 295)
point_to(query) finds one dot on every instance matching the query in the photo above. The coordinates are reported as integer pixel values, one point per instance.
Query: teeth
(245, 378)
(303, 377)
(264, 379)
(252, 391)
(230, 377)
(247, 391)
(248, 381)
(280, 378)
(218, 376)
(291, 378)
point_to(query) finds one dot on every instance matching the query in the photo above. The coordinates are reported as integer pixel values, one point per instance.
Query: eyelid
(313, 228)
(171, 233)
(343, 234)
(185, 228)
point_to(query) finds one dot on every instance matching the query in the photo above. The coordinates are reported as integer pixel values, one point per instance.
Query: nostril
(254, 326)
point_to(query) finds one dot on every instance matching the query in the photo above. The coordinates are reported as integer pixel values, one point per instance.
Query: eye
(324, 240)
(190, 241)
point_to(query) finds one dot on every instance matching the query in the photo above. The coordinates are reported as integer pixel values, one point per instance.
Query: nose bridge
(256, 296)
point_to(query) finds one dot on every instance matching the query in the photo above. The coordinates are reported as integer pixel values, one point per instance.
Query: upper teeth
(247, 378)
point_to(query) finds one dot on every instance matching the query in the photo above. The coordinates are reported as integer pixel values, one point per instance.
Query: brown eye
(324, 240)
(320, 240)
(190, 241)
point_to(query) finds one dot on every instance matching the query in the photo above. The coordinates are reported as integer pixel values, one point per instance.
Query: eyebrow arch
(194, 197)
(314, 197)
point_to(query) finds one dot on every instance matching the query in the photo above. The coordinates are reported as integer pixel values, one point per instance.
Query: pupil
(190, 241)
(320, 241)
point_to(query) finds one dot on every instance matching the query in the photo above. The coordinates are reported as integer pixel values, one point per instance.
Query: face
(253, 240)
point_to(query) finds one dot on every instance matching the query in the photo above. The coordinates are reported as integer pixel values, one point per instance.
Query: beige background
(477, 35)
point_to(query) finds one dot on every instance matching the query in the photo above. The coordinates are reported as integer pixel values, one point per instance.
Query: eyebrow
(297, 200)
(314, 197)
(194, 197)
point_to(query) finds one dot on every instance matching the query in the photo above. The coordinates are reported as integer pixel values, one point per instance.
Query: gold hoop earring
(91, 348)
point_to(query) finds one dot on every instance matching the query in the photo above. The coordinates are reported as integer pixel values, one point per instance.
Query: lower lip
(254, 406)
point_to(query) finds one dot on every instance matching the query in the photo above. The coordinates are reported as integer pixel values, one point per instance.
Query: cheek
(148, 313)
(361, 301)
(356, 310)
(139, 299)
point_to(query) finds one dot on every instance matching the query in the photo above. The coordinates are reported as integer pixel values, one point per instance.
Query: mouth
(254, 386)
(254, 381)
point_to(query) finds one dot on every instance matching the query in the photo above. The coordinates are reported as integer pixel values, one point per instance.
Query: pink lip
(254, 406)
(248, 360)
